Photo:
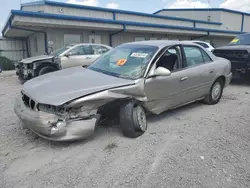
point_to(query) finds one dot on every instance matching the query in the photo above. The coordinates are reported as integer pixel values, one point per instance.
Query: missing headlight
(50, 108)
(30, 66)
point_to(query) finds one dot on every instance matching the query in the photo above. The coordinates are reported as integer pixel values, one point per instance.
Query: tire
(46, 70)
(133, 121)
(215, 93)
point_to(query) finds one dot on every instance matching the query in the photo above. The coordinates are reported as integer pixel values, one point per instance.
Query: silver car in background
(68, 56)
(126, 83)
(205, 45)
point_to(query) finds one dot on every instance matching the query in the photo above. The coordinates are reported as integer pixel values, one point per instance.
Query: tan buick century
(127, 82)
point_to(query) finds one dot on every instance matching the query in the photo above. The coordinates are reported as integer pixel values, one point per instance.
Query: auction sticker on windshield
(139, 55)
(121, 62)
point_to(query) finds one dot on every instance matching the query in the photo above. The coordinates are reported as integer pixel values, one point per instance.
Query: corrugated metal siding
(11, 44)
(222, 35)
(13, 49)
(78, 12)
(35, 8)
(198, 15)
(42, 22)
(135, 18)
(14, 55)
(163, 30)
(246, 24)
(231, 20)
(40, 44)
(130, 37)
(201, 25)
(56, 36)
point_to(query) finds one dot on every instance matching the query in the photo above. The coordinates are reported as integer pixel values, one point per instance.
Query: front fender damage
(135, 92)
(78, 118)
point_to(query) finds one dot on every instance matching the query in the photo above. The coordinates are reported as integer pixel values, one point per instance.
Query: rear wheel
(215, 93)
(133, 120)
(46, 70)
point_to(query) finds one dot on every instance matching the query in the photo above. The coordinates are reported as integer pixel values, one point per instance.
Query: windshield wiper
(104, 72)
(125, 77)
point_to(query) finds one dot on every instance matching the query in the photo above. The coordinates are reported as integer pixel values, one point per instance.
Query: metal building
(47, 25)
(13, 49)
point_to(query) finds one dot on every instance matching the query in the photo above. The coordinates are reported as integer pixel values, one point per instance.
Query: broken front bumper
(25, 74)
(50, 127)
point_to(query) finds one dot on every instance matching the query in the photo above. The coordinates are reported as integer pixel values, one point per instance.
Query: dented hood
(36, 58)
(62, 86)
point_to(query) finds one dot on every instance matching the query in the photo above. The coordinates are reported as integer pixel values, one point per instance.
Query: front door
(78, 56)
(165, 92)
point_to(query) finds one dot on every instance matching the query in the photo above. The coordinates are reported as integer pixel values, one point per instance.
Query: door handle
(87, 58)
(184, 78)
(210, 72)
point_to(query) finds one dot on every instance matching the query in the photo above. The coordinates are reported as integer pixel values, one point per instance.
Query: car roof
(162, 43)
(80, 44)
(199, 41)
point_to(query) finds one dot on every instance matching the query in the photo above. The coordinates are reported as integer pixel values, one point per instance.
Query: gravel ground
(193, 146)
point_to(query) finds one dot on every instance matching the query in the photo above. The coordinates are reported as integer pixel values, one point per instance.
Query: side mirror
(160, 71)
(68, 54)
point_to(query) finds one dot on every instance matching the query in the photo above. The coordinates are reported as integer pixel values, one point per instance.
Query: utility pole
(208, 16)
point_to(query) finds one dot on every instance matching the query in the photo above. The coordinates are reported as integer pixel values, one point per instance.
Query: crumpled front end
(54, 127)
(24, 71)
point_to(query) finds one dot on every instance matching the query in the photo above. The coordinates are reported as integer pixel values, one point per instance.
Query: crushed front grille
(29, 102)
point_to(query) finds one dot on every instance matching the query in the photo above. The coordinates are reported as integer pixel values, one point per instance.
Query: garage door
(72, 39)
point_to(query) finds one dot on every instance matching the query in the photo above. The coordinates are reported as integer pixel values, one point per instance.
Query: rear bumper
(50, 127)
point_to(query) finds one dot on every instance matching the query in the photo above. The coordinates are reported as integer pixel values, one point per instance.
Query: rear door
(199, 72)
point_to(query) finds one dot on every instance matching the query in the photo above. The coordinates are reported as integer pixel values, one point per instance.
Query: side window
(170, 59)
(204, 45)
(193, 56)
(99, 49)
(82, 50)
(206, 57)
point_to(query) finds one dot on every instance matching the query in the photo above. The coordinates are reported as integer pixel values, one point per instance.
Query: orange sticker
(121, 62)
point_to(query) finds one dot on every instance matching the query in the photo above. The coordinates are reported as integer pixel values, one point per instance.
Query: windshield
(126, 61)
(241, 40)
(60, 51)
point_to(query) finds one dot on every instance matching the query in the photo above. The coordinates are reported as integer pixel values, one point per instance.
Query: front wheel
(215, 93)
(46, 70)
(133, 120)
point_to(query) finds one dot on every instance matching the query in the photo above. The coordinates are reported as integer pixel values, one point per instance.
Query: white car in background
(205, 45)
(65, 57)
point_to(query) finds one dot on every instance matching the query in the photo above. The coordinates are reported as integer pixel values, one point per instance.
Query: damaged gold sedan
(127, 82)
